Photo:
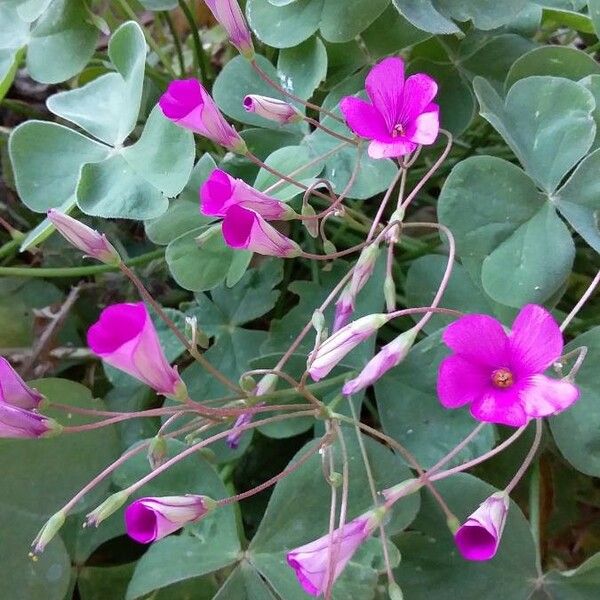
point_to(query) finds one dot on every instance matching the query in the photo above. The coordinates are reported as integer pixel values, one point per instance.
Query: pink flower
(401, 115)
(125, 338)
(189, 105)
(311, 561)
(344, 307)
(479, 536)
(387, 358)
(88, 240)
(14, 391)
(221, 191)
(230, 16)
(245, 228)
(17, 422)
(272, 109)
(500, 375)
(322, 360)
(150, 519)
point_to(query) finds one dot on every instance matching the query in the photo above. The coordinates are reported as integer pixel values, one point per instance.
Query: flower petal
(544, 396)
(419, 91)
(461, 381)
(399, 147)
(385, 85)
(536, 340)
(425, 128)
(502, 407)
(480, 338)
(363, 118)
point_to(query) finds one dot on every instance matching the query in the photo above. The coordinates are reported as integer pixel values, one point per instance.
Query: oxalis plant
(355, 339)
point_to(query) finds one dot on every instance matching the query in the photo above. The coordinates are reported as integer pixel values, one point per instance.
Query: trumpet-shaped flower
(88, 240)
(150, 519)
(17, 422)
(479, 536)
(125, 338)
(229, 15)
(14, 391)
(501, 376)
(245, 228)
(221, 191)
(401, 115)
(272, 109)
(311, 562)
(190, 106)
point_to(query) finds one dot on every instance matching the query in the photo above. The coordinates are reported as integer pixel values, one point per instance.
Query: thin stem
(530, 456)
(9, 248)
(582, 301)
(199, 56)
(383, 204)
(446, 459)
(534, 514)
(78, 271)
(282, 90)
(176, 42)
(145, 294)
(330, 132)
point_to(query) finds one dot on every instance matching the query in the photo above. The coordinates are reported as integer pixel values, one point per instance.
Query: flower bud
(318, 321)
(14, 391)
(329, 247)
(394, 591)
(272, 109)
(364, 268)
(311, 225)
(16, 422)
(88, 240)
(157, 451)
(107, 508)
(405, 488)
(344, 307)
(47, 532)
(248, 383)
(389, 293)
(266, 385)
(229, 14)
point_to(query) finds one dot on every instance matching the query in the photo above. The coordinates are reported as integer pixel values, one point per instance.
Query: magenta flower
(245, 228)
(88, 240)
(479, 536)
(189, 105)
(344, 307)
(150, 519)
(322, 360)
(17, 422)
(311, 561)
(401, 115)
(272, 109)
(501, 376)
(387, 358)
(14, 391)
(221, 191)
(125, 338)
(230, 16)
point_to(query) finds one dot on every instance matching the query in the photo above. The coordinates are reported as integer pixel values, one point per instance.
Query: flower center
(502, 378)
(397, 130)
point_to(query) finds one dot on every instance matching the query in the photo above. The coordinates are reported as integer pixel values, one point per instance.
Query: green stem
(176, 41)
(534, 512)
(8, 248)
(151, 42)
(199, 56)
(78, 271)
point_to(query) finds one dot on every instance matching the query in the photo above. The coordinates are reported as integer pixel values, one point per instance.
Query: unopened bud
(328, 247)
(405, 488)
(394, 591)
(335, 479)
(389, 292)
(157, 452)
(272, 109)
(364, 268)
(318, 321)
(47, 532)
(266, 385)
(312, 225)
(107, 508)
(248, 383)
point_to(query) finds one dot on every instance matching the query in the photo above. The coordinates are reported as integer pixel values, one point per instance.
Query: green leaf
(422, 14)
(99, 583)
(287, 161)
(555, 61)
(547, 122)
(245, 583)
(575, 584)
(594, 9)
(62, 42)
(302, 68)
(236, 80)
(422, 282)
(135, 183)
(430, 555)
(485, 14)
(30, 10)
(39, 168)
(157, 5)
(14, 31)
(576, 431)
(199, 268)
(22, 578)
(284, 26)
(553, 17)
(579, 200)
(59, 466)
(10, 59)
(203, 547)
(294, 517)
(343, 21)
(592, 83)
(411, 413)
(501, 224)
(183, 213)
(108, 106)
